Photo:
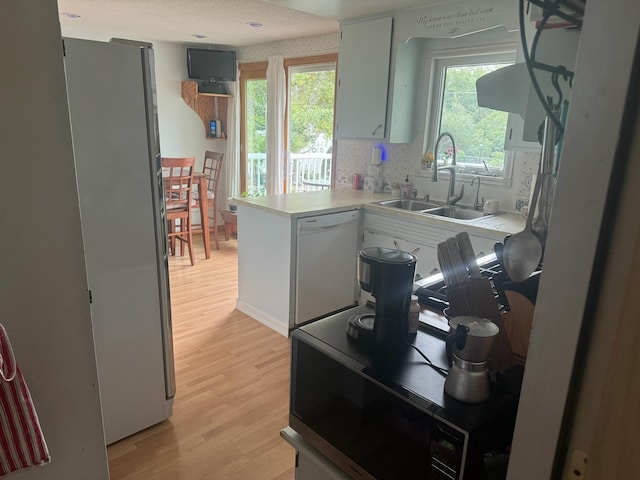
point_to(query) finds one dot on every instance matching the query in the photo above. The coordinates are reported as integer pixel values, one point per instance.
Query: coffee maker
(388, 275)
(468, 348)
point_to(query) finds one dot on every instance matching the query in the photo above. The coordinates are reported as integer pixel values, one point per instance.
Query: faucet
(452, 197)
(476, 203)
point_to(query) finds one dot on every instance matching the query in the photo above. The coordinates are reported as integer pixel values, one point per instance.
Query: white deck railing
(305, 172)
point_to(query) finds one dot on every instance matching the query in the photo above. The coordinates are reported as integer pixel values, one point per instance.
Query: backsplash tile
(530, 162)
(522, 203)
(524, 185)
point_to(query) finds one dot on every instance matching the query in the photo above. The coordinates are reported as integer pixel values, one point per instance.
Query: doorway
(307, 130)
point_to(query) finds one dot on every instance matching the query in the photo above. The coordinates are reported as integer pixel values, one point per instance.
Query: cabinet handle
(413, 252)
(376, 129)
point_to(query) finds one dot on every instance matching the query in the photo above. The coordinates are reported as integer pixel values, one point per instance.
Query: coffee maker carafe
(388, 275)
(468, 349)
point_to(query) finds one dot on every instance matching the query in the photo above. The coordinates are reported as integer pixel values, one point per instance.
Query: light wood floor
(232, 377)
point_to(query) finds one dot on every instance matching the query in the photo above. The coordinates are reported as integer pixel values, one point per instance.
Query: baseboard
(265, 319)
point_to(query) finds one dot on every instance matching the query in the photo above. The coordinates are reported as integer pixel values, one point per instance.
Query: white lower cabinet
(420, 238)
(426, 255)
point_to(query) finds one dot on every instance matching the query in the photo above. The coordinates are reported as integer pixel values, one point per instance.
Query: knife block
(475, 297)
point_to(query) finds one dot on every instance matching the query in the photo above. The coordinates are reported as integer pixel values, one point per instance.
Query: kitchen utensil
(528, 288)
(517, 322)
(542, 206)
(468, 255)
(468, 349)
(523, 251)
(499, 278)
(467, 381)
(471, 339)
(498, 249)
(445, 268)
(459, 268)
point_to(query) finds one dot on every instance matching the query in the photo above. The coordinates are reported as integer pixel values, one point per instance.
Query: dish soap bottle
(407, 188)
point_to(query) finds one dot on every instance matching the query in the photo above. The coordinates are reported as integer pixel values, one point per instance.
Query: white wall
(299, 47)
(575, 249)
(44, 303)
(182, 133)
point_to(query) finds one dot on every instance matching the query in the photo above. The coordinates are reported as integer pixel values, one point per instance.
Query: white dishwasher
(326, 260)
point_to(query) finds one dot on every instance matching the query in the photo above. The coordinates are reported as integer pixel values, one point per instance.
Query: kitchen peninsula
(268, 246)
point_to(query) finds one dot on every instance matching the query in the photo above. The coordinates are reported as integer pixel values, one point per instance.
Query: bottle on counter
(414, 315)
(407, 188)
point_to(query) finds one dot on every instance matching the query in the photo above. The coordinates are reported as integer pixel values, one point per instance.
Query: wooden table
(230, 223)
(200, 180)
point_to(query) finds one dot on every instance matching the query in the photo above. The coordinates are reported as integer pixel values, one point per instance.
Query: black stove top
(406, 372)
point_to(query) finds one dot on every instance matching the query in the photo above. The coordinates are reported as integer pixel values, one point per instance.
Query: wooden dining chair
(178, 198)
(212, 168)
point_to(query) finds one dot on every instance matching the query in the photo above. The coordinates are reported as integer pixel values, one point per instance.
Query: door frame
(248, 71)
(258, 71)
(311, 60)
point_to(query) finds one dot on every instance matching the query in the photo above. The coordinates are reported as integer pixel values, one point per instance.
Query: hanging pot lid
(478, 327)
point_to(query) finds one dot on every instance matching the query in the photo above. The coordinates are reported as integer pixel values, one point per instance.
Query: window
(307, 129)
(310, 126)
(479, 133)
(253, 129)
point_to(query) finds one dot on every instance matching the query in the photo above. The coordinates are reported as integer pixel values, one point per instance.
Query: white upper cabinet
(363, 78)
(403, 103)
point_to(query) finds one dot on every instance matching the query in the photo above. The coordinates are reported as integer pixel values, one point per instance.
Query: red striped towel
(22, 443)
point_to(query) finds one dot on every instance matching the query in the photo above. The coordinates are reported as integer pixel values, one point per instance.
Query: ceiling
(222, 22)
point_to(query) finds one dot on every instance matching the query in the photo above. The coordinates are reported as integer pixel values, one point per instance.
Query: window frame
(313, 63)
(258, 71)
(442, 59)
(248, 71)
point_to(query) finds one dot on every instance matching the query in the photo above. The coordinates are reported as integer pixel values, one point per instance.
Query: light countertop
(298, 205)
(305, 204)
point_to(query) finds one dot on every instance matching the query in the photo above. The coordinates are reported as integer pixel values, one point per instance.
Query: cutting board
(517, 323)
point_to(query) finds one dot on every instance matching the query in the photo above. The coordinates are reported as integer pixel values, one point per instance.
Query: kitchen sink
(413, 205)
(458, 213)
(433, 208)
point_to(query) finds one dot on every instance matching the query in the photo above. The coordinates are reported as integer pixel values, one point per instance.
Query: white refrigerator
(111, 94)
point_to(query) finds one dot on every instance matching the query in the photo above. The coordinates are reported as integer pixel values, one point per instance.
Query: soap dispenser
(407, 188)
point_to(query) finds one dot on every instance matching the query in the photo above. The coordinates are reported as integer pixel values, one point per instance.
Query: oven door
(366, 429)
(310, 463)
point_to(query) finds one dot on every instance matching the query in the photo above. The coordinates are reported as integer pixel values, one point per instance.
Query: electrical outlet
(578, 469)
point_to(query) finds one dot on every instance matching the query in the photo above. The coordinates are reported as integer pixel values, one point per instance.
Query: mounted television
(216, 65)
